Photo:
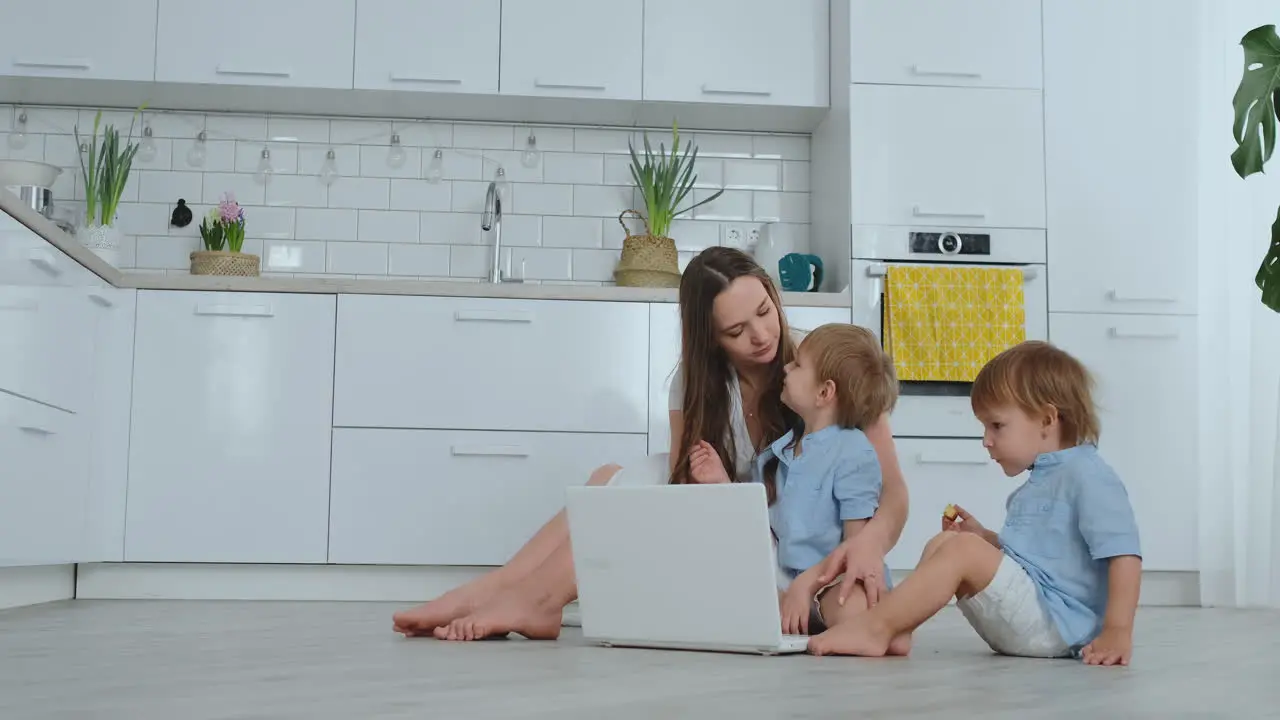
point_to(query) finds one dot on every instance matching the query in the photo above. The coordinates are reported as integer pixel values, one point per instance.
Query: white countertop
(10, 204)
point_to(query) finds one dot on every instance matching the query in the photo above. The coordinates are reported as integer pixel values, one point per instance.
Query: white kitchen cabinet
(754, 52)
(256, 42)
(939, 471)
(1145, 369)
(79, 39)
(951, 157)
(491, 364)
(1122, 203)
(427, 45)
(42, 485)
(421, 497)
(975, 43)
(229, 455)
(664, 356)
(567, 48)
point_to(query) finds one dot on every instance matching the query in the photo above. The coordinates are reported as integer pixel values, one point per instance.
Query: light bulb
(329, 170)
(435, 169)
(530, 157)
(195, 156)
(503, 187)
(147, 150)
(18, 138)
(395, 156)
(262, 175)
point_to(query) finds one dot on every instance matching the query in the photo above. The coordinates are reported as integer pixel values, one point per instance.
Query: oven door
(938, 409)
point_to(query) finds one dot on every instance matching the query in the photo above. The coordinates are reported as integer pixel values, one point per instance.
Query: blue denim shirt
(1063, 525)
(835, 478)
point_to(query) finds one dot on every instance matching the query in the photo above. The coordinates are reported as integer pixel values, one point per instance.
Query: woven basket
(206, 262)
(647, 260)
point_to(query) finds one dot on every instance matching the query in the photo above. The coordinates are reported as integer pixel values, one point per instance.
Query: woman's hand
(861, 560)
(705, 466)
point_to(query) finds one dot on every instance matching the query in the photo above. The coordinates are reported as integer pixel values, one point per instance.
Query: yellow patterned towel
(944, 323)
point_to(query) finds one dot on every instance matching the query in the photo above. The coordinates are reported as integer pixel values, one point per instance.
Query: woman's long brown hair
(705, 366)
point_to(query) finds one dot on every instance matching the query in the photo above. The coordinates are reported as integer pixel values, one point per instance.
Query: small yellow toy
(950, 512)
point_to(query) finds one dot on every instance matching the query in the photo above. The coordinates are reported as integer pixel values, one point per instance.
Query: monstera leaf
(1255, 104)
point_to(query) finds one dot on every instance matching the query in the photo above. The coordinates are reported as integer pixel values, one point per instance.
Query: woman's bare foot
(859, 637)
(458, 602)
(536, 620)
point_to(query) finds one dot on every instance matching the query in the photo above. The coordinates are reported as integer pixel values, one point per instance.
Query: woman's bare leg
(532, 607)
(462, 601)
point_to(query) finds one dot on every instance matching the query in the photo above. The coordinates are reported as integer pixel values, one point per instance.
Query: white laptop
(677, 566)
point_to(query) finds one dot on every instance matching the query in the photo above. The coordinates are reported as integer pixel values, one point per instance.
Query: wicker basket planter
(647, 260)
(205, 262)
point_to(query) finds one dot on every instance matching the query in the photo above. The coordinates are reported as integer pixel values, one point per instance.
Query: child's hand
(1113, 646)
(705, 465)
(797, 603)
(963, 522)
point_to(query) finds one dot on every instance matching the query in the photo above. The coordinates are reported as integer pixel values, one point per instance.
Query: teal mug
(800, 272)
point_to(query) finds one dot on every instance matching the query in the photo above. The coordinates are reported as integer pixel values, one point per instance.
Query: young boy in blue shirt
(823, 476)
(1062, 577)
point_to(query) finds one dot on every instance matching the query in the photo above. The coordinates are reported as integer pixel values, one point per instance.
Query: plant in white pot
(104, 168)
(223, 228)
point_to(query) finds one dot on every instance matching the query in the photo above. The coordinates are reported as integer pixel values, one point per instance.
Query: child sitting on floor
(823, 476)
(1062, 577)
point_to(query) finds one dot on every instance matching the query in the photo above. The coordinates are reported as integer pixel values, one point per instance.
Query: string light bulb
(262, 175)
(435, 168)
(329, 170)
(18, 137)
(530, 157)
(196, 155)
(396, 155)
(147, 149)
(503, 187)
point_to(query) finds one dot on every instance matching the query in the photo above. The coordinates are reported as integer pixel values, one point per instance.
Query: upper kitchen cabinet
(427, 45)
(79, 39)
(1121, 154)
(975, 43)
(568, 48)
(947, 157)
(256, 42)
(759, 52)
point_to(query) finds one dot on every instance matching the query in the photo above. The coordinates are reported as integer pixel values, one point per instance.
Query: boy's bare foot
(458, 602)
(536, 620)
(856, 637)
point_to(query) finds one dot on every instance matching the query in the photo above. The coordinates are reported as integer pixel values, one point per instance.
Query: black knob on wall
(181, 214)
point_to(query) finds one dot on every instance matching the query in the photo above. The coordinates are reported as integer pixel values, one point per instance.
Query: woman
(735, 343)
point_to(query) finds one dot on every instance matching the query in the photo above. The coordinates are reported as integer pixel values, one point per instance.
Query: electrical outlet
(753, 237)
(732, 236)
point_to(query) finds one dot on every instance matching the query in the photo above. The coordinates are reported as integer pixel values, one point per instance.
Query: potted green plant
(1257, 108)
(222, 234)
(664, 179)
(104, 169)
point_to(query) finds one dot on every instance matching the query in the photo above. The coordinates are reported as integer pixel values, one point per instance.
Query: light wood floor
(194, 660)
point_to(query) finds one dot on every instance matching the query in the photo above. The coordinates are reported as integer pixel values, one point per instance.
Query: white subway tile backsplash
(418, 260)
(572, 232)
(420, 195)
(357, 258)
(387, 226)
(316, 224)
(559, 222)
(361, 193)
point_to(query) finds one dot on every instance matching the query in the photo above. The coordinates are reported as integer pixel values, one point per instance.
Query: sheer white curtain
(1239, 500)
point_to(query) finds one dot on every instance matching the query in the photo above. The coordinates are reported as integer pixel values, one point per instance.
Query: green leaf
(1268, 277)
(1255, 101)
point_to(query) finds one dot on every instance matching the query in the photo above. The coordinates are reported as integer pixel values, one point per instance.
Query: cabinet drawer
(978, 43)
(1145, 370)
(567, 48)
(79, 39)
(462, 55)
(42, 485)
(421, 497)
(487, 364)
(939, 472)
(955, 157)
(256, 42)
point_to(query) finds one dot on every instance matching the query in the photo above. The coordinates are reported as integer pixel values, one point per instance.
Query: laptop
(687, 567)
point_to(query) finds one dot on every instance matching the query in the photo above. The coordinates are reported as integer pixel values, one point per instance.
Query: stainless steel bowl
(37, 198)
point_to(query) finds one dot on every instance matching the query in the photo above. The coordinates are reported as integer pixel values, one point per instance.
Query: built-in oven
(933, 408)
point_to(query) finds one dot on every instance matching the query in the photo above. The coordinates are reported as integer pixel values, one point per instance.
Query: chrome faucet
(492, 220)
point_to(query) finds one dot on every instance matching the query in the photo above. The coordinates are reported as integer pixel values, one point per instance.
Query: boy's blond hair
(851, 358)
(1034, 376)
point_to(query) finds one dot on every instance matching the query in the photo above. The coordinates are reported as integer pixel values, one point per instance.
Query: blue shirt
(1063, 525)
(835, 478)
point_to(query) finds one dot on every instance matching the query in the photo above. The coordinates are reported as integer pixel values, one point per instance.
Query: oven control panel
(950, 243)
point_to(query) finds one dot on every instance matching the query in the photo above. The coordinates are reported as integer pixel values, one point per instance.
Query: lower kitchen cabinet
(445, 497)
(231, 423)
(43, 479)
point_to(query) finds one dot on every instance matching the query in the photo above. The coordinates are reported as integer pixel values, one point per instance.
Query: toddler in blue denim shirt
(823, 476)
(1061, 579)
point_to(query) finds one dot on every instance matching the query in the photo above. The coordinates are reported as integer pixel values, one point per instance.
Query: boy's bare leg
(855, 604)
(461, 601)
(959, 566)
